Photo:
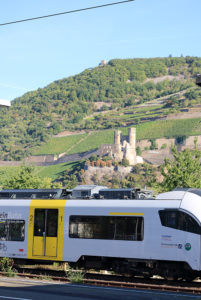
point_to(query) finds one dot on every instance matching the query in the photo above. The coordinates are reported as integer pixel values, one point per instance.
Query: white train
(138, 236)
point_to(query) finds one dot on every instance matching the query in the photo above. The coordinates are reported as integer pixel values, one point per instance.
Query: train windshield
(179, 220)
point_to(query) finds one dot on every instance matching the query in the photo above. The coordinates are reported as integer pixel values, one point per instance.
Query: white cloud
(13, 86)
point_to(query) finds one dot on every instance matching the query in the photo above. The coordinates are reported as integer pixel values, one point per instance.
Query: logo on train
(188, 246)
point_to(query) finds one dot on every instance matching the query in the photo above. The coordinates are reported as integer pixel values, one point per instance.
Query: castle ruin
(122, 148)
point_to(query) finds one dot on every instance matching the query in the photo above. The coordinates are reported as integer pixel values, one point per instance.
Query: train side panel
(14, 228)
(170, 244)
(158, 243)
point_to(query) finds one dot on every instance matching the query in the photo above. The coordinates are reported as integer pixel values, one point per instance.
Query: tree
(125, 162)
(70, 181)
(138, 151)
(153, 144)
(27, 179)
(183, 171)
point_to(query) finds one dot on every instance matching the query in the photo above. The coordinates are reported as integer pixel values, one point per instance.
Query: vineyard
(147, 130)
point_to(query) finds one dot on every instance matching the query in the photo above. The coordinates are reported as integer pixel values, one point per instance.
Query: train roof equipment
(80, 192)
(130, 193)
(33, 194)
(86, 191)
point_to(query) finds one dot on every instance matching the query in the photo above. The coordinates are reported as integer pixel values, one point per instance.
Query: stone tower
(132, 142)
(122, 148)
(117, 145)
(117, 137)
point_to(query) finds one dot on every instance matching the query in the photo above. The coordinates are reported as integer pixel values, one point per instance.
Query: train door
(45, 237)
(46, 229)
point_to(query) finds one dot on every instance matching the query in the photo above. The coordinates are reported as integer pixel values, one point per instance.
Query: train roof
(179, 194)
(122, 204)
(190, 199)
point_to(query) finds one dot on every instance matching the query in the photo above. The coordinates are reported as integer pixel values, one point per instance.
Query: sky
(34, 54)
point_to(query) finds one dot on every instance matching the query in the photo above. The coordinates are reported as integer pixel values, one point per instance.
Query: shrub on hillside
(125, 162)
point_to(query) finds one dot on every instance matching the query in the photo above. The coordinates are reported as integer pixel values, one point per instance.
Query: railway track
(114, 281)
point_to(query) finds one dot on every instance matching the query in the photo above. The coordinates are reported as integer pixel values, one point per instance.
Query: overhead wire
(65, 12)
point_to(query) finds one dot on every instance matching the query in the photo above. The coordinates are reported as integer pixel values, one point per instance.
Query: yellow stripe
(125, 214)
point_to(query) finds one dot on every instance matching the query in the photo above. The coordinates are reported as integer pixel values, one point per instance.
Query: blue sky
(33, 54)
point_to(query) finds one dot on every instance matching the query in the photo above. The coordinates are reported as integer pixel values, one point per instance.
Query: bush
(180, 139)
(6, 265)
(125, 162)
(153, 144)
(138, 151)
(106, 158)
(75, 276)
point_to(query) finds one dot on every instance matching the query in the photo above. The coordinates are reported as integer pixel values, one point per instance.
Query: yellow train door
(45, 237)
(46, 228)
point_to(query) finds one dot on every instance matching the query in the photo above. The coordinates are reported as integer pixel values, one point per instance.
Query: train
(93, 227)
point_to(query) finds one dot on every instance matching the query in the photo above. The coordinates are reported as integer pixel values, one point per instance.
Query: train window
(84, 193)
(12, 230)
(46, 222)
(107, 228)
(3, 230)
(52, 222)
(39, 222)
(179, 220)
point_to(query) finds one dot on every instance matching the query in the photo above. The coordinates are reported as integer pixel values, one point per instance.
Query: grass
(75, 276)
(54, 171)
(93, 141)
(6, 172)
(58, 145)
(169, 128)
(6, 265)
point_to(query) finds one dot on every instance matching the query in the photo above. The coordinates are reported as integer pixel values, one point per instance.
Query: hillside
(111, 96)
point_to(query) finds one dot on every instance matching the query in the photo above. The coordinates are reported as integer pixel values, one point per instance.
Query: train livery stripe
(46, 204)
(125, 214)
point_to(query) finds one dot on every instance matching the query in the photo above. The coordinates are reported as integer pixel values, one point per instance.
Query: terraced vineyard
(147, 130)
(58, 145)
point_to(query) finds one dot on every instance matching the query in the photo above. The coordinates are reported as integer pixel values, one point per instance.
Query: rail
(120, 282)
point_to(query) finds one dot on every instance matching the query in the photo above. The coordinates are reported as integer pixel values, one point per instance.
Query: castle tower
(132, 137)
(132, 142)
(117, 137)
(117, 145)
(128, 155)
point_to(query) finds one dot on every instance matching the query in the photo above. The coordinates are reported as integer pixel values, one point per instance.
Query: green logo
(188, 246)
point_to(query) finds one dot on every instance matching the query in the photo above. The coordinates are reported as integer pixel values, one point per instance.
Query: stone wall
(187, 143)
(40, 159)
(101, 173)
